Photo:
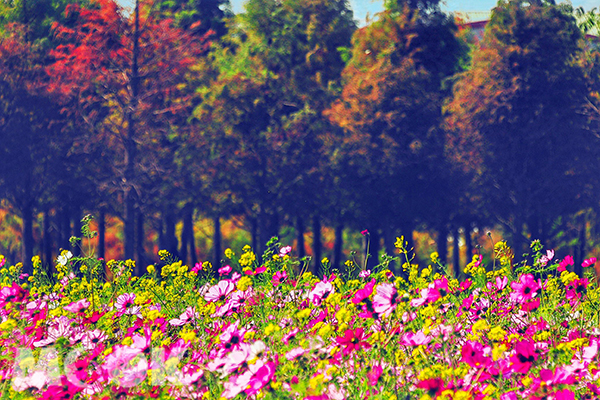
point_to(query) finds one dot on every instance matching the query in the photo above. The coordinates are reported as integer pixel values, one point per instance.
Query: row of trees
(288, 114)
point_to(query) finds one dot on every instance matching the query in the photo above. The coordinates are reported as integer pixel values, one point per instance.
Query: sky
(363, 7)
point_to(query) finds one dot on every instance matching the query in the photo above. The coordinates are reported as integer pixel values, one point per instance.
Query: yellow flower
(229, 253)
(434, 257)
(325, 261)
(150, 268)
(163, 254)
(244, 283)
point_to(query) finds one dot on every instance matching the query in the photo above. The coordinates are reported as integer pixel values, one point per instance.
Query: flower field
(275, 331)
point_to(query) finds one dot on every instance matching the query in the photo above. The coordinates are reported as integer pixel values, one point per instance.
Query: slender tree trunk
(456, 252)
(442, 244)
(300, 237)
(130, 145)
(317, 245)
(581, 248)
(162, 237)
(372, 247)
(27, 232)
(76, 232)
(141, 259)
(170, 237)
(388, 241)
(254, 233)
(185, 233)
(65, 227)
(217, 242)
(192, 240)
(102, 234)
(338, 246)
(47, 241)
(469, 242)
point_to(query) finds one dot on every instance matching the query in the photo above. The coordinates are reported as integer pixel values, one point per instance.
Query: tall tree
(390, 109)
(121, 75)
(31, 130)
(263, 112)
(517, 121)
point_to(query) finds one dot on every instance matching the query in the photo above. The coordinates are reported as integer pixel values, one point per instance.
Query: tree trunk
(170, 237)
(389, 238)
(580, 251)
(65, 228)
(102, 234)
(47, 241)
(76, 232)
(372, 247)
(456, 252)
(254, 233)
(338, 246)
(469, 242)
(217, 243)
(185, 233)
(141, 259)
(442, 244)
(317, 245)
(130, 144)
(300, 237)
(27, 232)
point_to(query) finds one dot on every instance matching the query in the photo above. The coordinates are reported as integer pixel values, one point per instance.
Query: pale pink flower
(385, 299)
(546, 258)
(125, 305)
(220, 291)
(78, 306)
(285, 250)
(189, 315)
(320, 292)
(364, 273)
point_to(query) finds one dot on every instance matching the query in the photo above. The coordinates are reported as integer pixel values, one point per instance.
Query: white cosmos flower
(64, 257)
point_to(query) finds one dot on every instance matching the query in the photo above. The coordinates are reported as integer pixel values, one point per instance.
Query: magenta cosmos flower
(353, 339)
(524, 356)
(525, 289)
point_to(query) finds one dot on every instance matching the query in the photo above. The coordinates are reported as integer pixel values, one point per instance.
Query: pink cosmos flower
(125, 305)
(278, 277)
(589, 262)
(189, 315)
(524, 357)
(546, 258)
(562, 266)
(197, 268)
(577, 288)
(225, 270)
(220, 291)
(57, 328)
(78, 306)
(473, 354)
(295, 353)
(11, 294)
(433, 386)
(320, 292)
(91, 339)
(365, 232)
(364, 273)
(525, 289)
(239, 299)
(364, 293)
(64, 390)
(285, 250)
(385, 299)
(415, 339)
(353, 339)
